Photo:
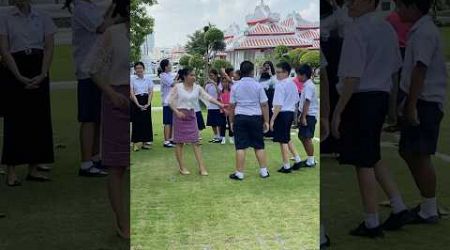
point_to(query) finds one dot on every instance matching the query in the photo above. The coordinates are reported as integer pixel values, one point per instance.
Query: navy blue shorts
(89, 101)
(307, 132)
(248, 132)
(215, 118)
(422, 139)
(282, 127)
(360, 129)
(200, 121)
(167, 115)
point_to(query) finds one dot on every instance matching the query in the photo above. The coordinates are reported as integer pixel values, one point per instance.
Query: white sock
(428, 208)
(240, 175)
(95, 157)
(166, 142)
(297, 159)
(86, 165)
(372, 220)
(310, 160)
(286, 165)
(263, 171)
(397, 204)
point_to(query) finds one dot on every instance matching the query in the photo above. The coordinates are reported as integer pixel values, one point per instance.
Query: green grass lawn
(68, 213)
(446, 40)
(170, 211)
(62, 67)
(344, 213)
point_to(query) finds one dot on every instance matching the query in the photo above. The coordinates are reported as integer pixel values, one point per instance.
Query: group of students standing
(101, 55)
(372, 67)
(236, 101)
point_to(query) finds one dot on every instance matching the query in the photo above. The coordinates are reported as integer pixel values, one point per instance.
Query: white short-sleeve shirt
(141, 85)
(247, 95)
(309, 93)
(167, 82)
(370, 52)
(286, 95)
(213, 91)
(86, 18)
(184, 99)
(26, 31)
(425, 45)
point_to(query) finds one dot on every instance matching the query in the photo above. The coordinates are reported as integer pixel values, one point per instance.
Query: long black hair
(163, 64)
(182, 73)
(266, 76)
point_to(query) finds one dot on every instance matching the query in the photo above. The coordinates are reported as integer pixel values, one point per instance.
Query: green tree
(312, 58)
(196, 43)
(141, 25)
(281, 52)
(295, 56)
(219, 63)
(198, 63)
(184, 60)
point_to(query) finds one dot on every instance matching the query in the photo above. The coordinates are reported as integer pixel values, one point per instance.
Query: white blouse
(181, 98)
(141, 85)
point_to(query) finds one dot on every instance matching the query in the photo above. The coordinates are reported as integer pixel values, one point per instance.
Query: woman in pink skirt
(183, 98)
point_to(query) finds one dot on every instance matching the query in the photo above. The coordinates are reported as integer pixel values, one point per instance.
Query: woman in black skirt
(268, 80)
(141, 117)
(26, 45)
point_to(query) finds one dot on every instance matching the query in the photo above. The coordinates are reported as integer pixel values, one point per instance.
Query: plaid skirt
(185, 129)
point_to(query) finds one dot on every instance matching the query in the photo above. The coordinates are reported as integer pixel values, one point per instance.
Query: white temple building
(266, 30)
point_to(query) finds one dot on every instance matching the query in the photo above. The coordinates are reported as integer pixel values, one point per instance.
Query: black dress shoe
(284, 170)
(417, 219)
(363, 231)
(37, 178)
(397, 221)
(233, 176)
(325, 244)
(297, 166)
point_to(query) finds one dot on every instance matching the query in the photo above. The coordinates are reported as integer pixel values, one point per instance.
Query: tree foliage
(312, 58)
(184, 60)
(141, 25)
(219, 63)
(295, 56)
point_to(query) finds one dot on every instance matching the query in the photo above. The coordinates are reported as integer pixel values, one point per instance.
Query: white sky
(176, 19)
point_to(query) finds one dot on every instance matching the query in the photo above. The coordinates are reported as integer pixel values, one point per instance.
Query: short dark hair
(139, 63)
(122, 9)
(423, 5)
(284, 66)
(305, 69)
(247, 68)
(163, 64)
(214, 71)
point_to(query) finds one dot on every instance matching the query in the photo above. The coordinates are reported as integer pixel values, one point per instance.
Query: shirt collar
(422, 21)
(16, 12)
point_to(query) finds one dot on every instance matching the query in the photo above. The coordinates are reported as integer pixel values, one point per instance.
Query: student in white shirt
(183, 99)
(141, 90)
(284, 103)
(309, 109)
(215, 118)
(88, 21)
(26, 47)
(366, 69)
(167, 82)
(249, 119)
(424, 83)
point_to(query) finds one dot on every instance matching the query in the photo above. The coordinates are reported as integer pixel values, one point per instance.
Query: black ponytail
(182, 73)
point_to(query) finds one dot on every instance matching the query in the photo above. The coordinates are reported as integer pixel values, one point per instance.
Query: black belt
(29, 52)
(141, 94)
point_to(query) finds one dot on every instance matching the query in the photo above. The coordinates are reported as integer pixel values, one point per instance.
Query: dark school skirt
(200, 121)
(27, 132)
(185, 129)
(142, 129)
(215, 118)
(270, 94)
(115, 129)
(360, 129)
